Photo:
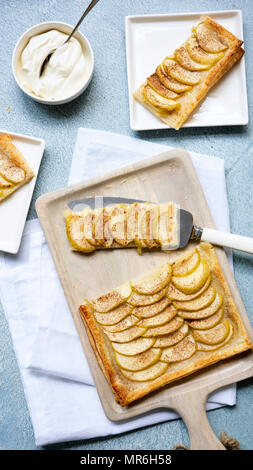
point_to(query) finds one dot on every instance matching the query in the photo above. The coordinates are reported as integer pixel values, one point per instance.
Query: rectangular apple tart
(141, 225)
(181, 81)
(14, 169)
(164, 326)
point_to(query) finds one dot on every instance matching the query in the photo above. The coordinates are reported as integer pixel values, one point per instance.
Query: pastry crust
(208, 78)
(11, 153)
(127, 391)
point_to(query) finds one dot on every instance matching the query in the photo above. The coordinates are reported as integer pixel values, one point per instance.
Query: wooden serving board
(166, 177)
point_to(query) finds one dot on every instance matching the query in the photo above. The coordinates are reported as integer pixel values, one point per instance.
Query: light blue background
(105, 106)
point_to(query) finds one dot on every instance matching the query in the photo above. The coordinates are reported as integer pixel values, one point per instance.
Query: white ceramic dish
(151, 38)
(14, 209)
(42, 28)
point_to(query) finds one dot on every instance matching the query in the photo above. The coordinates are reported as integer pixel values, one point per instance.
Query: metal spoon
(88, 9)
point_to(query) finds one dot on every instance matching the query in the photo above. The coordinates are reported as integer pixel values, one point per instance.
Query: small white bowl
(42, 28)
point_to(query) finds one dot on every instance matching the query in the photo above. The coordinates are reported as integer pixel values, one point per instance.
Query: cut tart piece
(15, 172)
(146, 346)
(197, 65)
(141, 225)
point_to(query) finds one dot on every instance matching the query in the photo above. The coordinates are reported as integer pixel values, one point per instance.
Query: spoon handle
(88, 9)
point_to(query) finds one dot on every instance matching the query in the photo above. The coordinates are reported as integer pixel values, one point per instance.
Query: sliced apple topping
(199, 55)
(114, 316)
(204, 312)
(89, 227)
(151, 310)
(181, 351)
(140, 361)
(118, 224)
(208, 39)
(175, 294)
(134, 213)
(134, 347)
(9, 170)
(150, 373)
(157, 100)
(170, 82)
(141, 300)
(194, 281)
(214, 335)
(208, 347)
(4, 183)
(102, 231)
(123, 325)
(177, 72)
(169, 327)
(161, 318)
(200, 302)
(75, 234)
(127, 335)
(112, 299)
(157, 85)
(154, 282)
(208, 322)
(172, 338)
(185, 60)
(187, 265)
(148, 226)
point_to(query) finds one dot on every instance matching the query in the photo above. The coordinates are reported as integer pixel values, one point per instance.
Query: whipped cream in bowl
(68, 72)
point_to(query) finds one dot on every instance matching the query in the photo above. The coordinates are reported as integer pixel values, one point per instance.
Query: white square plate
(14, 209)
(151, 38)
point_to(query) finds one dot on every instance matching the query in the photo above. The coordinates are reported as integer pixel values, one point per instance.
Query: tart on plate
(182, 80)
(170, 323)
(15, 172)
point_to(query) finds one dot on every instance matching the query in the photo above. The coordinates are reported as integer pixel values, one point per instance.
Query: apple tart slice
(14, 169)
(180, 82)
(172, 322)
(140, 225)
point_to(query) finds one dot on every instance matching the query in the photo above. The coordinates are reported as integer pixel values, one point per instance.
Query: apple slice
(200, 302)
(169, 327)
(114, 316)
(112, 299)
(140, 361)
(175, 294)
(10, 171)
(123, 325)
(160, 319)
(185, 60)
(127, 335)
(204, 312)
(208, 347)
(194, 281)
(151, 310)
(151, 373)
(141, 300)
(187, 265)
(170, 82)
(4, 183)
(199, 55)
(154, 282)
(181, 351)
(165, 225)
(157, 100)
(134, 214)
(177, 72)
(214, 335)
(89, 227)
(102, 231)
(172, 338)
(208, 322)
(157, 85)
(134, 347)
(148, 226)
(118, 224)
(208, 39)
(75, 234)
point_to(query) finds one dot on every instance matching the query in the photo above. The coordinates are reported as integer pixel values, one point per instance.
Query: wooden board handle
(191, 407)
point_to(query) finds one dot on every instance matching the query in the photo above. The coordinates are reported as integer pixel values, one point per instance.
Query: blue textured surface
(105, 106)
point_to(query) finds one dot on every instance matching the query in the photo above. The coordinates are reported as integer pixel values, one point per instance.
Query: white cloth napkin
(62, 400)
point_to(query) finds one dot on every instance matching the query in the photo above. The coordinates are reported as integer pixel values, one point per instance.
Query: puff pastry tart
(180, 82)
(167, 325)
(14, 169)
(140, 225)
